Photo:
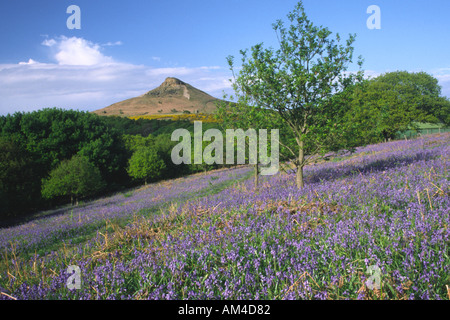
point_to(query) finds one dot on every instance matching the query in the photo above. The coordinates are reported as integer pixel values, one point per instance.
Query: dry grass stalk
(294, 207)
(10, 275)
(420, 203)
(7, 295)
(362, 290)
(429, 200)
(106, 239)
(16, 262)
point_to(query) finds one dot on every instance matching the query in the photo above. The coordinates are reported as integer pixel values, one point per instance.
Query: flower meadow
(80, 220)
(384, 208)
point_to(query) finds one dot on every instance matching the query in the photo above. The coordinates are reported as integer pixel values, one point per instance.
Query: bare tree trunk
(256, 176)
(301, 157)
(299, 176)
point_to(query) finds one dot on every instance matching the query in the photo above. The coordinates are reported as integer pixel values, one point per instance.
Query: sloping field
(374, 225)
(173, 96)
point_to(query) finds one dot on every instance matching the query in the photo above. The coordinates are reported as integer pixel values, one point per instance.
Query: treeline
(392, 103)
(53, 156)
(155, 127)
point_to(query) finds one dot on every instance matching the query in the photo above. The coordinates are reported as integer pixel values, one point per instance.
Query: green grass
(422, 125)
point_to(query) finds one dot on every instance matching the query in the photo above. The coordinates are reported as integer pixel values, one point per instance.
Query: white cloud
(443, 76)
(210, 68)
(31, 61)
(215, 84)
(169, 72)
(76, 52)
(112, 44)
(369, 74)
(49, 42)
(83, 78)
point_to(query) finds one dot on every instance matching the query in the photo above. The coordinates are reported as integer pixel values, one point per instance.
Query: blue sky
(126, 48)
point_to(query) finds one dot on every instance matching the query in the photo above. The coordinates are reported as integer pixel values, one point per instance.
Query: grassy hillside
(172, 97)
(212, 236)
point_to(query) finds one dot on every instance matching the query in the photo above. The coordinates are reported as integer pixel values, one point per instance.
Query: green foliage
(304, 81)
(124, 125)
(145, 163)
(394, 102)
(382, 110)
(423, 92)
(243, 115)
(441, 106)
(164, 145)
(134, 142)
(52, 135)
(15, 170)
(34, 144)
(145, 127)
(49, 136)
(76, 178)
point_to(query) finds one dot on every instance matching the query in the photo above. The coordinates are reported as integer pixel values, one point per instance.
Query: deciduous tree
(76, 178)
(145, 164)
(305, 82)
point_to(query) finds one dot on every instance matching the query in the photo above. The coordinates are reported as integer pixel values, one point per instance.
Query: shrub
(145, 164)
(76, 178)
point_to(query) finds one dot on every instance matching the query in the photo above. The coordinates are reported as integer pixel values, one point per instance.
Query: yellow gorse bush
(191, 117)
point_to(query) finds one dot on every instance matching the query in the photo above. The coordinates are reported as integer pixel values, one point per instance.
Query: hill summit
(173, 96)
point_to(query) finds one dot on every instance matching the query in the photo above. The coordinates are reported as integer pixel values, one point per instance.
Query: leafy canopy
(305, 82)
(76, 177)
(145, 164)
(52, 135)
(395, 102)
(421, 91)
